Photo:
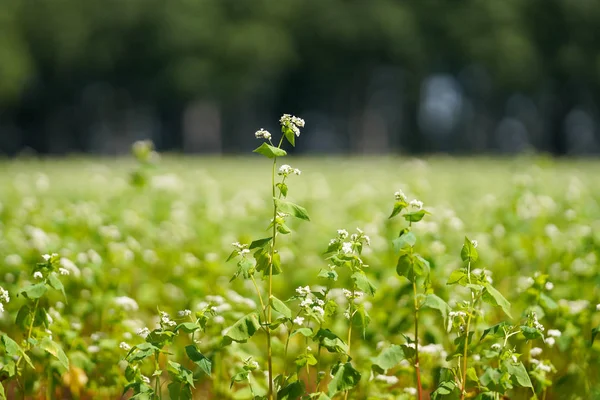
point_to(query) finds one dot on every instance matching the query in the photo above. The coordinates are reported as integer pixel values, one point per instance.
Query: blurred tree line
(368, 76)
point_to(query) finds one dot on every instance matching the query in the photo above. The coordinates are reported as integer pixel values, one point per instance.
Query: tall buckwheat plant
(415, 268)
(265, 259)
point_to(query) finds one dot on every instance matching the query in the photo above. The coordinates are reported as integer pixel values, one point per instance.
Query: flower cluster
(241, 248)
(309, 304)
(166, 320)
(293, 123)
(286, 170)
(262, 134)
(4, 298)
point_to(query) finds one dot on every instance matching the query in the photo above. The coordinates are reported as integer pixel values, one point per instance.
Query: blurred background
(379, 76)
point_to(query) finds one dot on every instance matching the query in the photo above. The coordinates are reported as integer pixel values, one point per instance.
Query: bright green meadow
(130, 248)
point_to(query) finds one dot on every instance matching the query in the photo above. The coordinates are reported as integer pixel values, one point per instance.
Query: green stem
(157, 391)
(270, 394)
(417, 366)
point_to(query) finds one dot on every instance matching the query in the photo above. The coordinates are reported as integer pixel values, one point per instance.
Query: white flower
(320, 302)
(126, 303)
(319, 310)
(390, 380)
(342, 233)
(143, 332)
(549, 286)
(303, 291)
(37, 275)
(93, 349)
(145, 379)
(1, 308)
(46, 257)
(4, 295)
(298, 320)
(597, 307)
(347, 247)
(262, 134)
(496, 347)
(534, 352)
(124, 346)
(63, 271)
(347, 293)
(306, 302)
(184, 313)
(400, 196)
(550, 341)
(474, 243)
(514, 359)
(554, 332)
(416, 204)
(287, 170)
(411, 391)
(544, 367)
(165, 319)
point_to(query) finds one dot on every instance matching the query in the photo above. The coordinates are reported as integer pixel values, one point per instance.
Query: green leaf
(491, 377)
(495, 298)
(518, 372)
(244, 328)
(362, 282)
(398, 207)
(140, 352)
(435, 302)
(407, 239)
(13, 349)
(404, 267)
(35, 291)
(303, 331)
(458, 276)
(283, 189)
(283, 229)
(199, 359)
(345, 377)
(446, 388)
(328, 274)
(179, 391)
(280, 307)
(292, 391)
(331, 341)
(388, 358)
(421, 266)
(415, 216)
(242, 376)
(180, 373)
(259, 243)
(531, 333)
(361, 318)
(289, 135)
(55, 350)
(595, 332)
(292, 209)
(472, 375)
(269, 151)
(496, 331)
(468, 252)
(56, 283)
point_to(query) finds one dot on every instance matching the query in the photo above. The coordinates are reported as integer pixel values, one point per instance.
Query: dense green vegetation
(164, 245)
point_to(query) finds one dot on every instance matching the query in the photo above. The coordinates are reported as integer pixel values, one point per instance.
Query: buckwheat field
(275, 277)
